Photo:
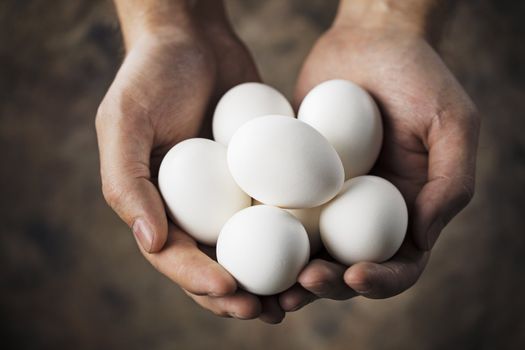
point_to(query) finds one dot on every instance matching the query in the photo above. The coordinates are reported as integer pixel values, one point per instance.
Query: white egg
(309, 217)
(284, 162)
(199, 192)
(349, 118)
(245, 102)
(367, 221)
(264, 248)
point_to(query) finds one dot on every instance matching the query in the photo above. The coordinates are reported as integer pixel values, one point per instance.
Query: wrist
(160, 20)
(422, 18)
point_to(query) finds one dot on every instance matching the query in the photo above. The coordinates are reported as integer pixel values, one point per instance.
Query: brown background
(72, 278)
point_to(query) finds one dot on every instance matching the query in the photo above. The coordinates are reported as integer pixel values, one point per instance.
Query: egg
(309, 217)
(198, 189)
(264, 248)
(284, 162)
(245, 102)
(349, 119)
(367, 221)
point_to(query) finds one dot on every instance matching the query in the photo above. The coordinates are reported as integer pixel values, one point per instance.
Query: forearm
(421, 17)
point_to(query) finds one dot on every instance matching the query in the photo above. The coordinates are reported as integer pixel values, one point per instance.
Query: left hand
(429, 150)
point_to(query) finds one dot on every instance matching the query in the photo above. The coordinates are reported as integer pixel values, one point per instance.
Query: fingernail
(143, 233)
(237, 316)
(363, 289)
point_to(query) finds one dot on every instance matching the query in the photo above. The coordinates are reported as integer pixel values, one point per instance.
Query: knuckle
(412, 273)
(465, 115)
(112, 193)
(461, 190)
(400, 279)
(221, 288)
(100, 116)
(466, 193)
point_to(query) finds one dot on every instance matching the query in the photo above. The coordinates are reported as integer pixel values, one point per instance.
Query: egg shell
(349, 119)
(309, 217)
(198, 190)
(264, 248)
(284, 162)
(245, 102)
(367, 221)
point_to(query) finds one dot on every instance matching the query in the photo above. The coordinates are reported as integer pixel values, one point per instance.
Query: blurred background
(71, 274)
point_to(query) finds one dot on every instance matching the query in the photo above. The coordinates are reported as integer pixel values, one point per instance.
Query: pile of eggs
(272, 189)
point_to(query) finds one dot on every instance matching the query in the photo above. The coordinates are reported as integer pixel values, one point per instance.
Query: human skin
(430, 135)
(180, 59)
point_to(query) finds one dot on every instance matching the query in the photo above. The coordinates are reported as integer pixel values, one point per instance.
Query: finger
(186, 265)
(324, 279)
(271, 310)
(125, 141)
(390, 278)
(241, 305)
(296, 298)
(452, 143)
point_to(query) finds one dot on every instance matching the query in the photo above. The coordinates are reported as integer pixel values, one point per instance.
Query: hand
(429, 149)
(162, 94)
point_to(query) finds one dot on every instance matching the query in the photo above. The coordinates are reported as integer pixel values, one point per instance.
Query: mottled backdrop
(71, 275)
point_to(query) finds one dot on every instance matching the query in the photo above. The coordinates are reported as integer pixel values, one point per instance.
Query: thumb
(452, 144)
(125, 144)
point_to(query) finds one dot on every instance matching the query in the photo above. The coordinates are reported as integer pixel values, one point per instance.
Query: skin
(181, 58)
(429, 146)
(162, 94)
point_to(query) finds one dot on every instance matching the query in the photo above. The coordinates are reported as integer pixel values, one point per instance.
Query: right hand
(163, 93)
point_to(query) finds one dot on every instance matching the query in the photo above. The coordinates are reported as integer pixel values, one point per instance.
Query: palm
(173, 85)
(396, 74)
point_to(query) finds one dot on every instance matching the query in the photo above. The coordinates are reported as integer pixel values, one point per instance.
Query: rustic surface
(72, 278)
